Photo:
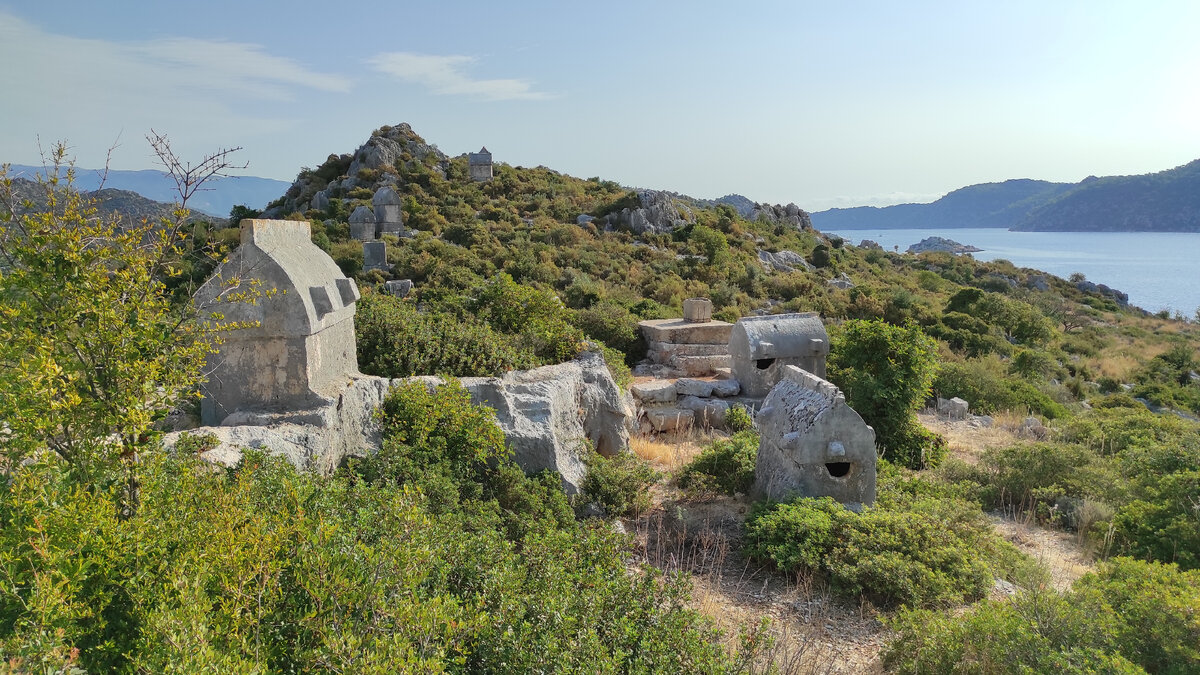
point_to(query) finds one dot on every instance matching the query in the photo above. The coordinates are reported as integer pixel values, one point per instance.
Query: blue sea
(1158, 270)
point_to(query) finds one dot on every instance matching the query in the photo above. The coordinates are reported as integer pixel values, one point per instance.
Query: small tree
(886, 373)
(92, 350)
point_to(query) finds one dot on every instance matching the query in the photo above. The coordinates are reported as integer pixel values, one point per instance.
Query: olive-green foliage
(1127, 617)
(1125, 476)
(263, 569)
(396, 340)
(985, 385)
(920, 544)
(615, 326)
(537, 316)
(738, 419)
(886, 372)
(619, 484)
(726, 466)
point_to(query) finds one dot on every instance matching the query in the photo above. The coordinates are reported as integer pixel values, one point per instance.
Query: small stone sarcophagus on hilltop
(762, 346)
(302, 352)
(813, 444)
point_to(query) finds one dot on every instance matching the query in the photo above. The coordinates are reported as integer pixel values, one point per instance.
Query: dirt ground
(813, 631)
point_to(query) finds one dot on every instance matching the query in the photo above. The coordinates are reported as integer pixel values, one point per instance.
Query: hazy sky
(823, 103)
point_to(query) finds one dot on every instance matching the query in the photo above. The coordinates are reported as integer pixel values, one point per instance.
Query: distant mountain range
(217, 198)
(1167, 201)
(132, 207)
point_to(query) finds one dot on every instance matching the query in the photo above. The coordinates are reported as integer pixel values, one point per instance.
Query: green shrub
(919, 545)
(983, 384)
(1127, 617)
(615, 326)
(538, 317)
(738, 419)
(725, 466)
(619, 483)
(886, 372)
(396, 340)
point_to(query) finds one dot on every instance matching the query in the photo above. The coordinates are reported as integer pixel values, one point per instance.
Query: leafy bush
(983, 384)
(538, 317)
(396, 340)
(615, 326)
(886, 372)
(738, 419)
(619, 483)
(918, 545)
(1127, 617)
(726, 466)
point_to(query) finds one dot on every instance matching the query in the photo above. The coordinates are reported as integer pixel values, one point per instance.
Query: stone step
(654, 391)
(660, 352)
(697, 366)
(670, 419)
(678, 331)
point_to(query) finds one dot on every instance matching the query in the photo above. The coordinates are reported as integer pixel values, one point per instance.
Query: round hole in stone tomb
(838, 469)
(763, 364)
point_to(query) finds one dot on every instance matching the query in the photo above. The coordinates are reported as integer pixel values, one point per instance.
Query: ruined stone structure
(302, 351)
(362, 224)
(763, 346)
(389, 216)
(686, 348)
(813, 444)
(480, 165)
(375, 256)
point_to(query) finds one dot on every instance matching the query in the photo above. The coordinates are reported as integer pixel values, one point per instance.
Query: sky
(823, 104)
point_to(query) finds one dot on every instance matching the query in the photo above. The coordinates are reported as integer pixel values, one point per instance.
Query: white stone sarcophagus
(762, 346)
(301, 352)
(812, 444)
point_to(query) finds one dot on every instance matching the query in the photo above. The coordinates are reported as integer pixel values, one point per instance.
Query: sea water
(1157, 269)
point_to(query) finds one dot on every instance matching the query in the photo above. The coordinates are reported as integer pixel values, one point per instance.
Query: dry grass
(966, 441)
(808, 631)
(1062, 554)
(670, 452)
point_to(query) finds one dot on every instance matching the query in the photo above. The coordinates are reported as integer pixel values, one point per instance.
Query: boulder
(957, 409)
(783, 261)
(546, 414)
(726, 387)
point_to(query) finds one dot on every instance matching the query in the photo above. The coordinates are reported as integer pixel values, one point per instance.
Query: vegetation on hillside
(439, 554)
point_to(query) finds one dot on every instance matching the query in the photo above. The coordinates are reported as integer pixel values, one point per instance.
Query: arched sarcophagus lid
(761, 346)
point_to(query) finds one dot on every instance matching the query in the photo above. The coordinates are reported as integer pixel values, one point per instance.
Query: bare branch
(188, 178)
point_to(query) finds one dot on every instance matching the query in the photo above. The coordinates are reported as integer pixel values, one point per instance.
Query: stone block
(691, 387)
(375, 256)
(726, 388)
(655, 391)
(670, 419)
(697, 310)
(662, 352)
(957, 410)
(679, 331)
(699, 366)
(706, 412)
(398, 287)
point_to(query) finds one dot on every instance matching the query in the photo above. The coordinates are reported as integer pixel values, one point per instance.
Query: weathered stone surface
(302, 349)
(654, 391)
(320, 201)
(957, 410)
(843, 282)
(389, 216)
(316, 438)
(783, 261)
(941, 244)
(547, 413)
(584, 219)
(656, 212)
(706, 412)
(398, 287)
(790, 215)
(663, 352)
(697, 310)
(813, 444)
(670, 419)
(762, 347)
(679, 331)
(362, 224)
(725, 388)
(699, 366)
(375, 256)
(692, 387)
(479, 165)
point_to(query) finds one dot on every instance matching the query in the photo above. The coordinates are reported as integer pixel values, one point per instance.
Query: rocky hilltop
(941, 244)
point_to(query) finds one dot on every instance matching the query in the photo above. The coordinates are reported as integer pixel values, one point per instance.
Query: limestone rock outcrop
(657, 212)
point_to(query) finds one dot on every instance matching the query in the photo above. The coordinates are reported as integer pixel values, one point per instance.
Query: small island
(941, 244)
